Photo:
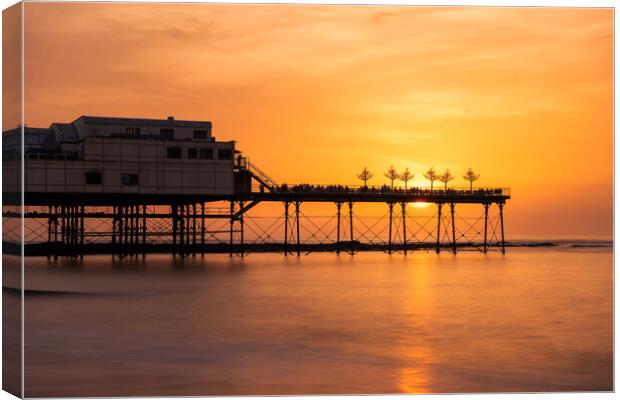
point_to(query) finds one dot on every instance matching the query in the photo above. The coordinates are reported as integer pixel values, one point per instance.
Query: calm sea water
(532, 320)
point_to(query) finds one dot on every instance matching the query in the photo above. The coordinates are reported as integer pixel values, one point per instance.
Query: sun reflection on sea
(415, 375)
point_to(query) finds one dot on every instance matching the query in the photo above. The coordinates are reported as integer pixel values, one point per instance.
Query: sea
(536, 319)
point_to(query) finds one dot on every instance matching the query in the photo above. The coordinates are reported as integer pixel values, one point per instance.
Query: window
(166, 133)
(192, 153)
(224, 154)
(173, 152)
(132, 131)
(130, 179)
(93, 178)
(201, 134)
(206, 154)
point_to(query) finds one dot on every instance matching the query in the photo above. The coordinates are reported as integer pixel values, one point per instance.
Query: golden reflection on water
(417, 354)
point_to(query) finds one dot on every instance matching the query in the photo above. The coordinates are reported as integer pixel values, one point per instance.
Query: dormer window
(131, 131)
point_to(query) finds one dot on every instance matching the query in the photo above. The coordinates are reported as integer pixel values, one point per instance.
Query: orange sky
(314, 93)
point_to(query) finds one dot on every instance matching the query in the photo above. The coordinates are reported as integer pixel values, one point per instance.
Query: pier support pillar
(453, 228)
(202, 229)
(286, 206)
(49, 232)
(351, 227)
(486, 223)
(232, 222)
(391, 207)
(404, 212)
(81, 232)
(297, 203)
(144, 230)
(194, 229)
(501, 222)
(174, 210)
(438, 246)
(241, 230)
(338, 215)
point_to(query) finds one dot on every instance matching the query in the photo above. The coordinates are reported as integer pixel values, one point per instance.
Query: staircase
(244, 164)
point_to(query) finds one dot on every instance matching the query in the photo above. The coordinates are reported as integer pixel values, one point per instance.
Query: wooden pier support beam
(453, 228)
(144, 230)
(194, 229)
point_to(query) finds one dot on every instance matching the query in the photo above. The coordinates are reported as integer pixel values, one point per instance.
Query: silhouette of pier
(127, 194)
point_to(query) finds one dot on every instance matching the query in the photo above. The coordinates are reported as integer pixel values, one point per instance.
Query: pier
(137, 215)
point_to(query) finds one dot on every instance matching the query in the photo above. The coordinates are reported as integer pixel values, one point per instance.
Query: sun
(420, 204)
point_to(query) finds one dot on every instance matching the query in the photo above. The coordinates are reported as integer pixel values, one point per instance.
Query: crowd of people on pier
(383, 189)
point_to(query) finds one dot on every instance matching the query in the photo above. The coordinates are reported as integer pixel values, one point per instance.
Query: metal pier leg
(193, 229)
(144, 212)
(486, 219)
(351, 226)
(113, 229)
(81, 232)
(286, 205)
(232, 221)
(338, 214)
(63, 227)
(49, 232)
(180, 230)
(297, 204)
(391, 206)
(439, 207)
(453, 229)
(55, 232)
(136, 219)
(404, 207)
(188, 218)
(202, 230)
(174, 210)
(119, 247)
(241, 229)
(501, 221)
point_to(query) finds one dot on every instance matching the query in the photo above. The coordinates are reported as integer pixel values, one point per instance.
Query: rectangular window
(173, 152)
(130, 179)
(132, 131)
(224, 154)
(93, 178)
(192, 153)
(165, 133)
(206, 154)
(201, 134)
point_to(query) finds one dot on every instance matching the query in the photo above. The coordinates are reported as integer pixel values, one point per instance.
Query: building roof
(169, 122)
